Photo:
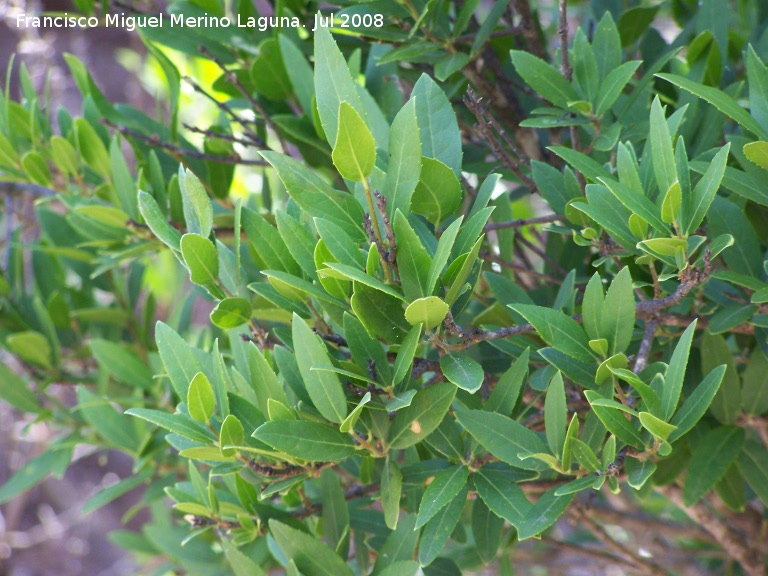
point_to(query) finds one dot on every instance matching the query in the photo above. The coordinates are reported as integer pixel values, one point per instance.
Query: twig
(490, 257)
(645, 345)
(381, 203)
(258, 140)
(154, 140)
(219, 136)
(475, 106)
(529, 28)
(232, 78)
(546, 219)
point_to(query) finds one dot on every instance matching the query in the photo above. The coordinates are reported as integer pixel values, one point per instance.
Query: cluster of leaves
(375, 353)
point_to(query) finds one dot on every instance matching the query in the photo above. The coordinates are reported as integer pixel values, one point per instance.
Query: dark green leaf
(311, 556)
(391, 489)
(503, 437)
(544, 79)
(712, 456)
(439, 528)
(446, 485)
(439, 131)
(463, 371)
(673, 382)
(543, 514)
(417, 421)
(557, 329)
(311, 441)
(697, 403)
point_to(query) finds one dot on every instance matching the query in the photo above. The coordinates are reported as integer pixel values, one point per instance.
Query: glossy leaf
(311, 441)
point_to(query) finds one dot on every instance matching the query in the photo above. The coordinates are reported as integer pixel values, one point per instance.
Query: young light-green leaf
(555, 415)
(201, 258)
(354, 153)
(200, 400)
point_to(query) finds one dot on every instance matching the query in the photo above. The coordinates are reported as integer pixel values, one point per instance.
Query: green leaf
(548, 508)
(592, 307)
(696, 404)
(312, 441)
(658, 428)
(753, 466)
(446, 485)
(544, 79)
(91, 148)
(697, 206)
(335, 512)
(673, 382)
(31, 347)
(428, 311)
(354, 152)
(176, 423)
(231, 434)
(670, 207)
(111, 493)
(404, 160)
(726, 405)
(438, 193)
(413, 262)
(712, 456)
(157, 222)
(610, 414)
(200, 400)
(113, 427)
(503, 437)
(399, 546)
(458, 282)
(201, 258)
(417, 421)
(663, 156)
(344, 271)
(391, 490)
(556, 415)
(315, 197)
(366, 349)
(15, 391)
(618, 321)
(405, 354)
(634, 22)
(557, 329)
(268, 72)
(231, 313)
(311, 556)
(381, 314)
(198, 212)
(122, 363)
(241, 564)
(36, 168)
(352, 418)
(586, 165)
(504, 498)
(506, 393)
(56, 459)
(757, 153)
(637, 203)
(439, 528)
(639, 472)
(613, 85)
(333, 84)
(719, 100)
(585, 455)
(268, 243)
(757, 74)
(463, 371)
(438, 128)
(754, 394)
(339, 243)
(729, 316)
(324, 388)
(122, 180)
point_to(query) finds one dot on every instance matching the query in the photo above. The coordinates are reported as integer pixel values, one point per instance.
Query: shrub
(475, 280)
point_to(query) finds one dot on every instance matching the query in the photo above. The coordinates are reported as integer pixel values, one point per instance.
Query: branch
(154, 140)
(474, 104)
(689, 279)
(735, 544)
(546, 219)
(232, 78)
